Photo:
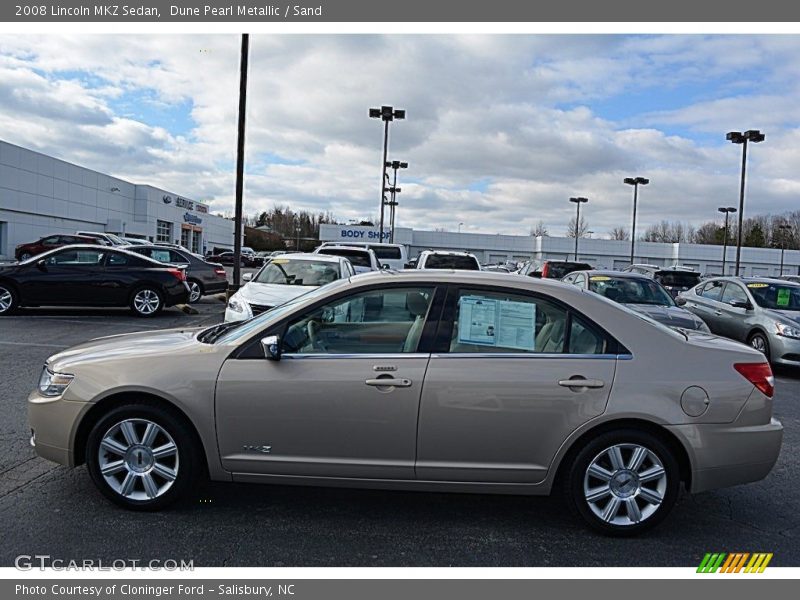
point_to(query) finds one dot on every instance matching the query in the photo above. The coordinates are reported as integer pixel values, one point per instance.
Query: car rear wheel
(25, 256)
(8, 299)
(146, 301)
(759, 342)
(195, 290)
(623, 482)
(142, 457)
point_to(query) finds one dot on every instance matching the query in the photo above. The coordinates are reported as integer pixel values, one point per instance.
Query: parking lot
(49, 509)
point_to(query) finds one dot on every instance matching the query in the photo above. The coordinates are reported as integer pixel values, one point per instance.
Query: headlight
(236, 305)
(788, 330)
(53, 384)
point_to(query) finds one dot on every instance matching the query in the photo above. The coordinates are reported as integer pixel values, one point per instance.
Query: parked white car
(283, 279)
(362, 259)
(445, 259)
(394, 256)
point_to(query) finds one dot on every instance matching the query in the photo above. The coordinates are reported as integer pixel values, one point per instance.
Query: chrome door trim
(533, 355)
(387, 356)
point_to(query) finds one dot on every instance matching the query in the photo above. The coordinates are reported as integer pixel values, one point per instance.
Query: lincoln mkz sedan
(461, 382)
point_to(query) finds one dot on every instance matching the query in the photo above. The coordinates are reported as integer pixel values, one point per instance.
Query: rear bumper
(729, 454)
(176, 294)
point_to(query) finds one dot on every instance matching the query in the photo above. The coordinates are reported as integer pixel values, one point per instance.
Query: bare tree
(581, 230)
(539, 230)
(619, 233)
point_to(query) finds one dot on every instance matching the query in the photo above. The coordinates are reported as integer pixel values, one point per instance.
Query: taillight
(221, 272)
(179, 274)
(545, 270)
(759, 374)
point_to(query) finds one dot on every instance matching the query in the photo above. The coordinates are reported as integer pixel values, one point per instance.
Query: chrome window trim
(531, 355)
(375, 356)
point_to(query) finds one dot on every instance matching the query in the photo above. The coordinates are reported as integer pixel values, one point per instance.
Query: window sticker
(600, 278)
(279, 261)
(784, 296)
(500, 323)
(757, 285)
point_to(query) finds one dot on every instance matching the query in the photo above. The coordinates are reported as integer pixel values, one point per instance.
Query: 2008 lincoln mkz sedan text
(419, 380)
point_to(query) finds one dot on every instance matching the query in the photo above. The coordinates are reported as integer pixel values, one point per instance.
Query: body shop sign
(364, 234)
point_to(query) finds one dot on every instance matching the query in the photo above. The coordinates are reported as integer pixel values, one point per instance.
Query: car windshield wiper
(209, 336)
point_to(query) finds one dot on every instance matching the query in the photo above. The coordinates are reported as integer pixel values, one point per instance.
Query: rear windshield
(390, 252)
(443, 261)
(677, 279)
(285, 271)
(358, 258)
(557, 270)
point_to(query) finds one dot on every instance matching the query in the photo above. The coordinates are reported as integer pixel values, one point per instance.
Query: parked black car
(204, 277)
(84, 275)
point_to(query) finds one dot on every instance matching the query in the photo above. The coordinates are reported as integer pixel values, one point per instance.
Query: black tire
(201, 291)
(146, 292)
(25, 256)
(759, 342)
(9, 300)
(187, 463)
(628, 489)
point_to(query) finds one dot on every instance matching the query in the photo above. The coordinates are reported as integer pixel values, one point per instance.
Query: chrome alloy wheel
(138, 459)
(6, 299)
(759, 344)
(194, 291)
(146, 301)
(625, 484)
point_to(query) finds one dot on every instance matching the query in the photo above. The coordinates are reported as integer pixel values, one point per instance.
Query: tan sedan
(419, 380)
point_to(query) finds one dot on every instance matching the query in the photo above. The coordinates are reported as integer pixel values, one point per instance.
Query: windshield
(630, 290)
(241, 329)
(775, 295)
(358, 258)
(557, 270)
(285, 271)
(677, 279)
(445, 261)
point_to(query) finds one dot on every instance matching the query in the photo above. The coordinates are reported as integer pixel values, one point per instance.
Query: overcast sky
(500, 130)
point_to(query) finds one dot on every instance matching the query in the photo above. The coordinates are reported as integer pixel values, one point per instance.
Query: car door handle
(581, 382)
(718, 312)
(388, 382)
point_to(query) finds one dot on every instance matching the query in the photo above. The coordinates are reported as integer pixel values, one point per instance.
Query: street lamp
(635, 182)
(727, 210)
(783, 229)
(394, 165)
(297, 233)
(386, 114)
(459, 227)
(737, 137)
(578, 201)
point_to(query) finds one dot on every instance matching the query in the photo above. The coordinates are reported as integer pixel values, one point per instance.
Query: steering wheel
(312, 328)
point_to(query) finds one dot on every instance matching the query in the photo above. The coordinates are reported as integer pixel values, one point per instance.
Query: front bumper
(54, 422)
(730, 454)
(784, 350)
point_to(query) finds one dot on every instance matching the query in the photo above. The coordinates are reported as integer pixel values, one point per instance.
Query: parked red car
(25, 251)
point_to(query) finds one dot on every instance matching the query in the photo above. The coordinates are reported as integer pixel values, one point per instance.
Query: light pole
(635, 182)
(737, 137)
(727, 210)
(237, 225)
(386, 114)
(578, 201)
(459, 227)
(297, 233)
(395, 165)
(783, 229)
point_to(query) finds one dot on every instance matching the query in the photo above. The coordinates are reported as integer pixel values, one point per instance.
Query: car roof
(449, 253)
(121, 249)
(346, 247)
(308, 256)
(611, 273)
(751, 279)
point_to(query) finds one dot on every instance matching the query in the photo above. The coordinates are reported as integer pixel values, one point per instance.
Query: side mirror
(41, 264)
(272, 347)
(385, 267)
(680, 301)
(741, 304)
(247, 277)
(409, 265)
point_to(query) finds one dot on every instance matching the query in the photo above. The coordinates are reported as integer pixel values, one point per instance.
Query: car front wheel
(8, 299)
(25, 256)
(623, 482)
(141, 457)
(760, 343)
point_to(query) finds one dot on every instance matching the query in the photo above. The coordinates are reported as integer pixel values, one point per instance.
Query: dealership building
(610, 254)
(41, 195)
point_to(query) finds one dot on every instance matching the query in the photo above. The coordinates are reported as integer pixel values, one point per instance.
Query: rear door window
(713, 290)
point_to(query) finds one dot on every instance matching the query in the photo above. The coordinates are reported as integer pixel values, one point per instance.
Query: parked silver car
(460, 381)
(762, 312)
(639, 293)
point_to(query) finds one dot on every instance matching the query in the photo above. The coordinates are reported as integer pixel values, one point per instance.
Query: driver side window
(373, 322)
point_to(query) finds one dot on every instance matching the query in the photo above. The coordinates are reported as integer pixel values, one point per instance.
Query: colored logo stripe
(734, 562)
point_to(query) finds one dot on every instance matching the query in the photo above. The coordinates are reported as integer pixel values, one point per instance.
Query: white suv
(394, 256)
(444, 259)
(362, 259)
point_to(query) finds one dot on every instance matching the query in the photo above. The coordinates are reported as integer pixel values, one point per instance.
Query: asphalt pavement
(54, 510)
